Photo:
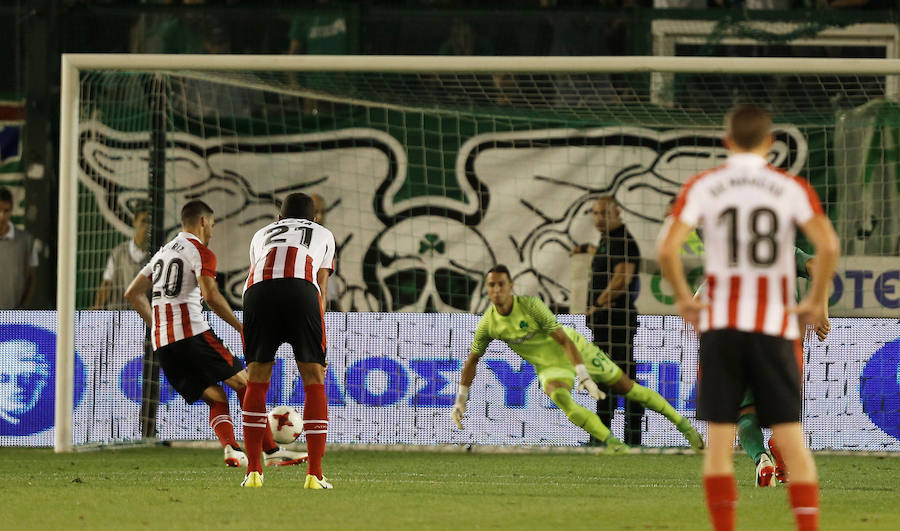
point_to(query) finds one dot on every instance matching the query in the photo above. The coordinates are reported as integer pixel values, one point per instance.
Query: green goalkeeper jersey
(526, 330)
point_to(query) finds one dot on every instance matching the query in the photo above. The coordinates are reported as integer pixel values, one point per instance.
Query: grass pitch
(175, 488)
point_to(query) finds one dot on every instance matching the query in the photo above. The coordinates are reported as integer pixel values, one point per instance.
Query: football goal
(432, 170)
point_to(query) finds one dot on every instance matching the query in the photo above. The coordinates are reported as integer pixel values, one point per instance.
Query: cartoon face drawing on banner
(543, 185)
(429, 264)
(244, 180)
(27, 364)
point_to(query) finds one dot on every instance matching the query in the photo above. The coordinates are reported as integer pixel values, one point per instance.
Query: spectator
(463, 40)
(612, 316)
(18, 259)
(330, 31)
(324, 33)
(124, 263)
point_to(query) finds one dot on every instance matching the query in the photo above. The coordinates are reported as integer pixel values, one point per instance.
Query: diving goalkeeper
(561, 357)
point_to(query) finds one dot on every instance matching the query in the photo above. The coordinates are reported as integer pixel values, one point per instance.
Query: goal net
(432, 170)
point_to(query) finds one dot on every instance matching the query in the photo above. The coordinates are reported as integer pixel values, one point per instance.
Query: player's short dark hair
(500, 269)
(5, 195)
(193, 210)
(298, 206)
(748, 126)
(142, 207)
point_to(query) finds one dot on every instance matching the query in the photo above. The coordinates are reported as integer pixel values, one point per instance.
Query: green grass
(169, 488)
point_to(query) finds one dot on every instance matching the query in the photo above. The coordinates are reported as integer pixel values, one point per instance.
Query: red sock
(721, 500)
(268, 443)
(315, 426)
(254, 405)
(805, 504)
(220, 422)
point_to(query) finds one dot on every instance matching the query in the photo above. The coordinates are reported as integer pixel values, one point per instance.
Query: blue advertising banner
(392, 379)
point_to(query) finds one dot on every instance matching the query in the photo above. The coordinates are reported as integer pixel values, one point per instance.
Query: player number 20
(763, 226)
(174, 276)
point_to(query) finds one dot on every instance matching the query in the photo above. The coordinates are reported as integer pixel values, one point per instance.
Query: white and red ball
(286, 424)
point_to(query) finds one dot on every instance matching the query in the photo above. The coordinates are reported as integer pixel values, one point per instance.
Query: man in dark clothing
(612, 316)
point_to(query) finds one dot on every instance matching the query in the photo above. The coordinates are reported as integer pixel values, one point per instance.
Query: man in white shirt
(18, 259)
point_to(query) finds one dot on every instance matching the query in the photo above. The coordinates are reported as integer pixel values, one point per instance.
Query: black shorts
(731, 362)
(195, 363)
(283, 310)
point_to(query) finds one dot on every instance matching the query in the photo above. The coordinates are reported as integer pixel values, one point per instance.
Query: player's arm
(322, 278)
(105, 284)
(137, 296)
(618, 284)
(102, 295)
(819, 231)
(583, 379)
(324, 272)
(673, 235)
(823, 326)
(479, 345)
(216, 301)
(547, 322)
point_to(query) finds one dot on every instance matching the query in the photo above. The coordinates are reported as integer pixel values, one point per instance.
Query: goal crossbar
(426, 63)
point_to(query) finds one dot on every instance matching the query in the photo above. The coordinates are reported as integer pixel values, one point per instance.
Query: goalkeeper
(561, 357)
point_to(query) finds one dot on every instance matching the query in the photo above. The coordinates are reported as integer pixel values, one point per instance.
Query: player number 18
(763, 226)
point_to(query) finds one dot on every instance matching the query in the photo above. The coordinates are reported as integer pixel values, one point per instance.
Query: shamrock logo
(432, 242)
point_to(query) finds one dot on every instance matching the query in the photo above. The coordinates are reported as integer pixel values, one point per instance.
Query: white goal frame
(73, 64)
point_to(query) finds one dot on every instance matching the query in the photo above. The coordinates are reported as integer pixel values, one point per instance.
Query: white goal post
(74, 65)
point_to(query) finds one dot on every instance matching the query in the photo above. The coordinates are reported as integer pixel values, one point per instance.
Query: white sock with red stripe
(220, 422)
(315, 426)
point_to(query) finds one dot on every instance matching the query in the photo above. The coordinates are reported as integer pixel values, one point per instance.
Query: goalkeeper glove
(459, 408)
(586, 384)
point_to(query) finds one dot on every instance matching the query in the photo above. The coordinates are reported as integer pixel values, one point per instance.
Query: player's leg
(604, 371)
(558, 387)
(750, 437)
(720, 388)
(780, 470)
(778, 373)
(220, 422)
(315, 422)
(272, 453)
(264, 331)
(718, 476)
(623, 335)
(254, 412)
(637, 393)
(804, 486)
(606, 407)
(308, 341)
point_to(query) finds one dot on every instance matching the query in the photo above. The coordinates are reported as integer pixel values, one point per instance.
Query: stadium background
(849, 378)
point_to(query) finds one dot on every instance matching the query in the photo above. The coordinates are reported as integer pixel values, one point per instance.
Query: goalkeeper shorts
(599, 366)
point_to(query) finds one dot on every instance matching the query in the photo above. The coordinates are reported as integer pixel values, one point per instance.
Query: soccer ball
(286, 424)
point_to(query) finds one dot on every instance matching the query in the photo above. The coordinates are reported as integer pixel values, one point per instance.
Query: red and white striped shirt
(175, 270)
(749, 211)
(290, 248)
